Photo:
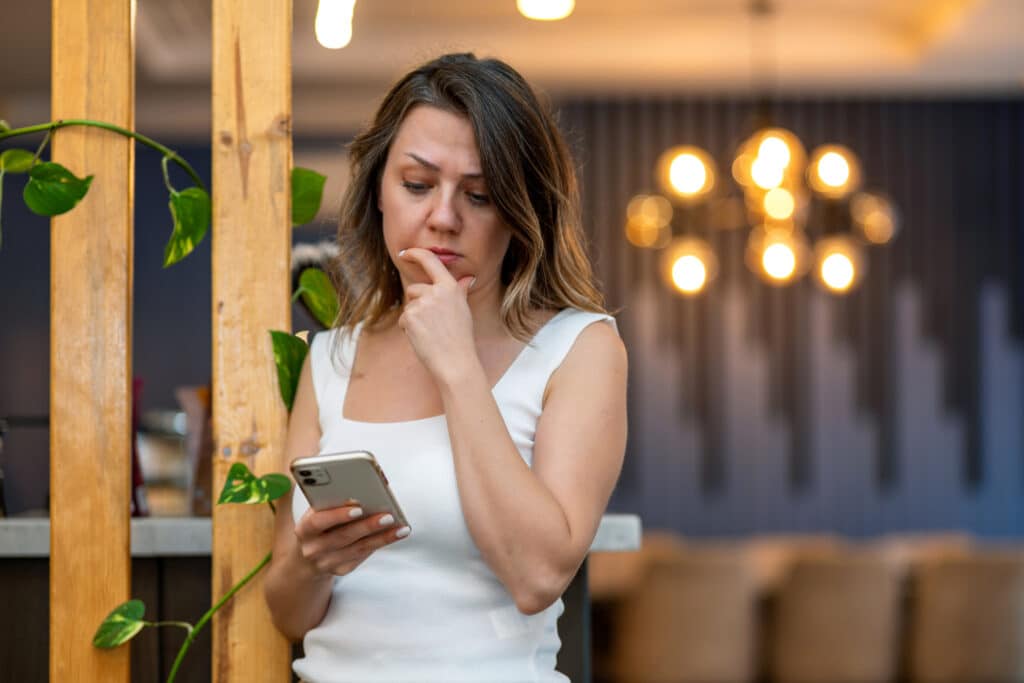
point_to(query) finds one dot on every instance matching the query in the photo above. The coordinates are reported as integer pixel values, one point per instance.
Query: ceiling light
(333, 24)
(688, 265)
(686, 172)
(840, 263)
(545, 10)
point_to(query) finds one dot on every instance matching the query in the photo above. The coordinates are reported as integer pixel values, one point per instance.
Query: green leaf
(16, 160)
(307, 193)
(121, 625)
(53, 189)
(242, 486)
(190, 209)
(4, 126)
(289, 354)
(319, 295)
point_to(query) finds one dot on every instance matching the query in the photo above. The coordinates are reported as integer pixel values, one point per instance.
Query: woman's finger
(430, 264)
(315, 522)
(415, 291)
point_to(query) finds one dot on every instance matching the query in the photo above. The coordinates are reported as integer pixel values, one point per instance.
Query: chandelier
(778, 185)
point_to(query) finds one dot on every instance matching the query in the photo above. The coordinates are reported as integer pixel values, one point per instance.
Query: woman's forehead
(438, 137)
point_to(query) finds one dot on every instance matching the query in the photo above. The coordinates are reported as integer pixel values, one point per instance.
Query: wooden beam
(93, 76)
(252, 158)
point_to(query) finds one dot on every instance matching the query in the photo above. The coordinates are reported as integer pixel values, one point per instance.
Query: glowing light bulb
(741, 166)
(545, 10)
(775, 151)
(779, 203)
(333, 25)
(766, 174)
(833, 169)
(779, 261)
(689, 274)
(687, 174)
(837, 272)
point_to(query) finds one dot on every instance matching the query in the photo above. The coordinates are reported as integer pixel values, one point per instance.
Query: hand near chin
(436, 317)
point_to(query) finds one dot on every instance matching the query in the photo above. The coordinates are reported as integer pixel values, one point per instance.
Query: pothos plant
(52, 189)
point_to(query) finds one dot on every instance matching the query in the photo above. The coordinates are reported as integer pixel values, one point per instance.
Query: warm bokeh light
(689, 274)
(776, 178)
(333, 23)
(779, 261)
(834, 171)
(741, 168)
(646, 234)
(774, 150)
(837, 272)
(688, 265)
(647, 221)
(546, 10)
(651, 207)
(778, 253)
(686, 172)
(874, 217)
(765, 174)
(840, 263)
(779, 204)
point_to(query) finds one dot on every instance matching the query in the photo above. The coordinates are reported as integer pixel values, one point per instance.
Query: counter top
(190, 536)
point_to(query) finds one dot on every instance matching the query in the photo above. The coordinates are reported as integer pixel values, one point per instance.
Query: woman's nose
(444, 214)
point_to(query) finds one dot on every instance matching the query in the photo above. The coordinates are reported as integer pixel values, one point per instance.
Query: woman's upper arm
(581, 434)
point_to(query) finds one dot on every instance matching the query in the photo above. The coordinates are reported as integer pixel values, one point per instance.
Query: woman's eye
(415, 188)
(478, 198)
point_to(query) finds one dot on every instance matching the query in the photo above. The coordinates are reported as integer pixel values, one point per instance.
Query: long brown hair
(530, 177)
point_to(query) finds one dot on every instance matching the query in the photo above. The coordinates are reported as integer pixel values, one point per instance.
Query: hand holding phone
(353, 511)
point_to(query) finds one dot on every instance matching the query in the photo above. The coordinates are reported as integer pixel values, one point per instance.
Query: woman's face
(433, 195)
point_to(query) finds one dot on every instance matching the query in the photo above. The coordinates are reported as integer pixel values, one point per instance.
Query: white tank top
(427, 608)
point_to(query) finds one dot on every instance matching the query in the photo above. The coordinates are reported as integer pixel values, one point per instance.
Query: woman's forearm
(516, 522)
(297, 597)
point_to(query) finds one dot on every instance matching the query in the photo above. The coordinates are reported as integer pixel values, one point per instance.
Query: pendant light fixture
(779, 182)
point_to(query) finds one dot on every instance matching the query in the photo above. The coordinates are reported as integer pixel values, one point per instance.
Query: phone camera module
(305, 473)
(308, 480)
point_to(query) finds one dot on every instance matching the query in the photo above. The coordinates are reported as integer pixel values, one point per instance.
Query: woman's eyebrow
(434, 167)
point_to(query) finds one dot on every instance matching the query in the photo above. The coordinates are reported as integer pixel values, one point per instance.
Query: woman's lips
(446, 256)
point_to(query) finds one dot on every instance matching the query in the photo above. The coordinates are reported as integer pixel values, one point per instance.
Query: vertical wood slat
(93, 76)
(252, 158)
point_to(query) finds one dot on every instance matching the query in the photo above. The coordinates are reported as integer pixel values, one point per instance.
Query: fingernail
(387, 520)
(401, 252)
(355, 512)
(403, 532)
(472, 282)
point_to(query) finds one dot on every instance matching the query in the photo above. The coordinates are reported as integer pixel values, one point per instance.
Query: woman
(467, 361)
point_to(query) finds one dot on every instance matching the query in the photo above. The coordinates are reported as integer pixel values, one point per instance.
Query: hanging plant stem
(148, 142)
(209, 614)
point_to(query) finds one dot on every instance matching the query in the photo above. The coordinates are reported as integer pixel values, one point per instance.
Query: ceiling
(922, 47)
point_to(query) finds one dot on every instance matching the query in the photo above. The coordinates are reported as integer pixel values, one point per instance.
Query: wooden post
(91, 339)
(252, 160)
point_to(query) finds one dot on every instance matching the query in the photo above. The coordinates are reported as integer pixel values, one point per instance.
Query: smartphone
(332, 479)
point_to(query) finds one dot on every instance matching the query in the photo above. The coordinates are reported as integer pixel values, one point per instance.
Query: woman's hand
(436, 317)
(338, 540)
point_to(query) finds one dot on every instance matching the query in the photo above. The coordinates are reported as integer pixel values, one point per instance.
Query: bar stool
(837, 619)
(691, 620)
(967, 619)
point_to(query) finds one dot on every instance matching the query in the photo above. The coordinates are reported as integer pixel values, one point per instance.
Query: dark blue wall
(756, 408)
